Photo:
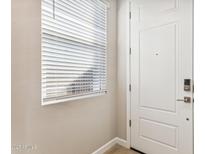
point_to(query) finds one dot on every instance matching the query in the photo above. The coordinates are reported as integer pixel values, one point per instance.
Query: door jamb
(128, 74)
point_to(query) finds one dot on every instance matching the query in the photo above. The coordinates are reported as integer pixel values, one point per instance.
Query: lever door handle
(186, 100)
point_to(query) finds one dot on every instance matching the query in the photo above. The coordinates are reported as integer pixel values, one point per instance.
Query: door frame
(128, 75)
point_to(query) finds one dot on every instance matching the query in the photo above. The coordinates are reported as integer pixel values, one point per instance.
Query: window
(74, 41)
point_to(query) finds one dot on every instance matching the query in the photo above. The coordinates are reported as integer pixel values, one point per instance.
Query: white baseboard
(110, 144)
(122, 142)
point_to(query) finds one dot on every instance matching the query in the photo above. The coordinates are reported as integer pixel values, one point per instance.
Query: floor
(117, 149)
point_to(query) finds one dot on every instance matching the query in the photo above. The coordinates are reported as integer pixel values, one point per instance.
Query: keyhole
(187, 119)
(156, 53)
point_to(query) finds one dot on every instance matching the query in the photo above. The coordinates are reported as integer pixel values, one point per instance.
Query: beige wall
(77, 127)
(123, 65)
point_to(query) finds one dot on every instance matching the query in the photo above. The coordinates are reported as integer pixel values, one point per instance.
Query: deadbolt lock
(187, 84)
(186, 100)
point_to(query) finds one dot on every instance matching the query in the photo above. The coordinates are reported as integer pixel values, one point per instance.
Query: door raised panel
(149, 10)
(161, 133)
(157, 67)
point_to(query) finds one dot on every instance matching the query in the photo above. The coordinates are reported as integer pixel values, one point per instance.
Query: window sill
(72, 98)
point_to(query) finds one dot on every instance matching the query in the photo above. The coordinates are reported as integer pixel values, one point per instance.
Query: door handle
(186, 100)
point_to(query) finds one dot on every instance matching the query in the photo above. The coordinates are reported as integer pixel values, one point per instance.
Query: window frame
(82, 96)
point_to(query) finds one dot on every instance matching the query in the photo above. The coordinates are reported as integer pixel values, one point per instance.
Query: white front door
(161, 72)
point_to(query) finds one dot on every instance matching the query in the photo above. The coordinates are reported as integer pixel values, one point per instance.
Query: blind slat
(65, 61)
(82, 40)
(66, 87)
(91, 17)
(63, 44)
(69, 49)
(67, 55)
(56, 27)
(74, 27)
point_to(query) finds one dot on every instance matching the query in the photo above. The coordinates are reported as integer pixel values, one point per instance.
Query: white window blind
(74, 41)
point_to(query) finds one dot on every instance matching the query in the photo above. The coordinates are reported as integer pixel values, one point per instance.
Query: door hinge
(192, 86)
(130, 14)
(130, 123)
(130, 87)
(130, 51)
